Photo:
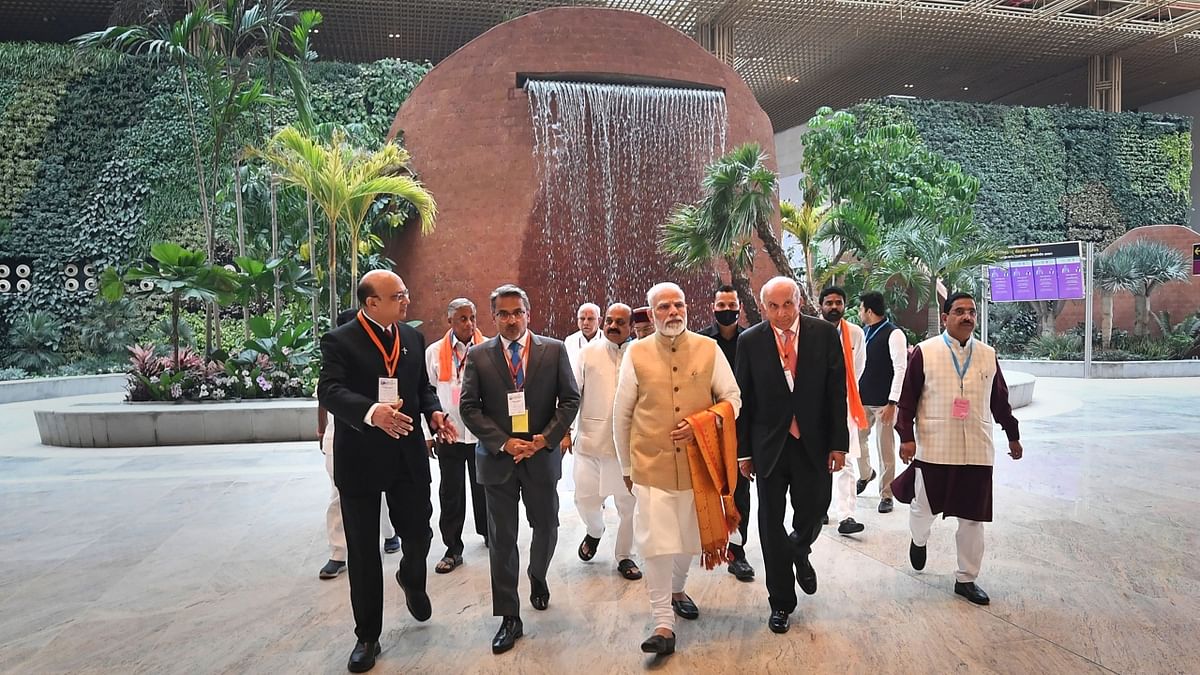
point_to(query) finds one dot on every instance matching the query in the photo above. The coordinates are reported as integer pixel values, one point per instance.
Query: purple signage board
(1002, 290)
(1196, 260)
(1045, 277)
(1070, 278)
(1023, 284)
(1042, 272)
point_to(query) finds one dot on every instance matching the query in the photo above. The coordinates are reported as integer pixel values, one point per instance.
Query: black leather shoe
(916, 555)
(506, 637)
(741, 569)
(806, 576)
(417, 602)
(657, 644)
(539, 594)
(885, 505)
(779, 622)
(686, 608)
(862, 482)
(391, 544)
(362, 658)
(971, 592)
(850, 526)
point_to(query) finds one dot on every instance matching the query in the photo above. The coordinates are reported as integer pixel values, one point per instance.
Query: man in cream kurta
(664, 378)
(954, 390)
(597, 470)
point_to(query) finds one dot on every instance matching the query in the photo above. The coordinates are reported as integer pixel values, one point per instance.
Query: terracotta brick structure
(469, 129)
(1179, 299)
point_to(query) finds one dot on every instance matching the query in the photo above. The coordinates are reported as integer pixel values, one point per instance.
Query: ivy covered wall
(96, 159)
(1053, 174)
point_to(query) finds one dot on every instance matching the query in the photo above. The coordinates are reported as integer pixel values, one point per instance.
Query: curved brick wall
(469, 130)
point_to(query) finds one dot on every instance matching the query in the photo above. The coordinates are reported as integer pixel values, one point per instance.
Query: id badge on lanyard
(961, 407)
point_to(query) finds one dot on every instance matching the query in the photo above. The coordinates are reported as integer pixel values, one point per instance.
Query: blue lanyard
(878, 327)
(961, 370)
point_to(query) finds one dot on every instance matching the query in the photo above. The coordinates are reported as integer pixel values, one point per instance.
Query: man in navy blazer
(519, 397)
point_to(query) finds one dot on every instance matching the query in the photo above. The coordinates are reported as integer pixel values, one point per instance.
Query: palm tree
(740, 192)
(923, 253)
(1154, 264)
(806, 223)
(1112, 273)
(345, 181)
(685, 241)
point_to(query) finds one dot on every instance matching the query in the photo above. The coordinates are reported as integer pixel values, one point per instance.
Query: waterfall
(613, 160)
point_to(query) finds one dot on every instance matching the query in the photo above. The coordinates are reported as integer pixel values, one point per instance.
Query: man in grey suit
(519, 397)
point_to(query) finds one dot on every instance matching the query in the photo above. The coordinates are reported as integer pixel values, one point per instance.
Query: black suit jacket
(818, 401)
(551, 397)
(365, 459)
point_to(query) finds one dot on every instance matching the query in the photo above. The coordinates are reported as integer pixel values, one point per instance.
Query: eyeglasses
(396, 297)
(505, 315)
(959, 311)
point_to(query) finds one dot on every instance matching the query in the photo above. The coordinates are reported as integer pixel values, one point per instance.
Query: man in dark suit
(373, 380)
(519, 397)
(792, 432)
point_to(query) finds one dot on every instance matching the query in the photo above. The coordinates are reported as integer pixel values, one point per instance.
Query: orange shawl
(446, 354)
(712, 458)
(853, 400)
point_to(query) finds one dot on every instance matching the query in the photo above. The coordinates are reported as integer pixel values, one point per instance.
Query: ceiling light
(966, 88)
(909, 86)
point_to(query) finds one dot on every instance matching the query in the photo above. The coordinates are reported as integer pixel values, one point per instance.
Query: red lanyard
(389, 362)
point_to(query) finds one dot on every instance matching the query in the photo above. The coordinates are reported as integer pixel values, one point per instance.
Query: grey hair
(507, 291)
(775, 281)
(457, 304)
(589, 305)
(659, 288)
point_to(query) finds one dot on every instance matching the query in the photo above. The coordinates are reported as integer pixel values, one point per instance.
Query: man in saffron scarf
(792, 433)
(446, 359)
(665, 380)
(845, 486)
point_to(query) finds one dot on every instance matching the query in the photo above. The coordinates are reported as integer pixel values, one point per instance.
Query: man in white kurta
(845, 482)
(597, 470)
(588, 320)
(664, 378)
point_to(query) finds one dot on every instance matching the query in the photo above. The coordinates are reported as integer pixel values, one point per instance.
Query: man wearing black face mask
(725, 330)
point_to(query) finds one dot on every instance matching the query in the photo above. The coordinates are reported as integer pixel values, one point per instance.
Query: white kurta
(597, 471)
(575, 343)
(446, 391)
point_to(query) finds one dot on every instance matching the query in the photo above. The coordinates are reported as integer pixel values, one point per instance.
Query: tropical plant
(178, 273)
(1155, 264)
(34, 340)
(345, 181)
(739, 200)
(686, 242)
(285, 343)
(1056, 347)
(109, 327)
(1112, 273)
(221, 43)
(924, 253)
(1184, 337)
(806, 223)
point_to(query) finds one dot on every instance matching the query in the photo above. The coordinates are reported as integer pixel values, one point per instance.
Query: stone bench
(112, 425)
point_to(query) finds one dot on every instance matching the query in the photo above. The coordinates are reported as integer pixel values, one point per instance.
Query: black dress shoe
(850, 526)
(916, 555)
(539, 594)
(806, 576)
(885, 505)
(971, 592)
(778, 623)
(862, 482)
(506, 637)
(417, 602)
(685, 608)
(657, 644)
(362, 658)
(741, 569)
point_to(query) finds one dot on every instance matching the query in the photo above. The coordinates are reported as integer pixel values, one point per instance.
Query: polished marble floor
(205, 559)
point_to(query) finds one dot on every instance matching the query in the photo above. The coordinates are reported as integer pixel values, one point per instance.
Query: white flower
(176, 390)
(153, 379)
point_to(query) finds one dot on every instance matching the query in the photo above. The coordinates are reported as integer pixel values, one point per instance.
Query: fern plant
(34, 340)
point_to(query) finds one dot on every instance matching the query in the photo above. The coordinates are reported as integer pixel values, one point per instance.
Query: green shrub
(1064, 347)
(13, 374)
(34, 340)
(1011, 325)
